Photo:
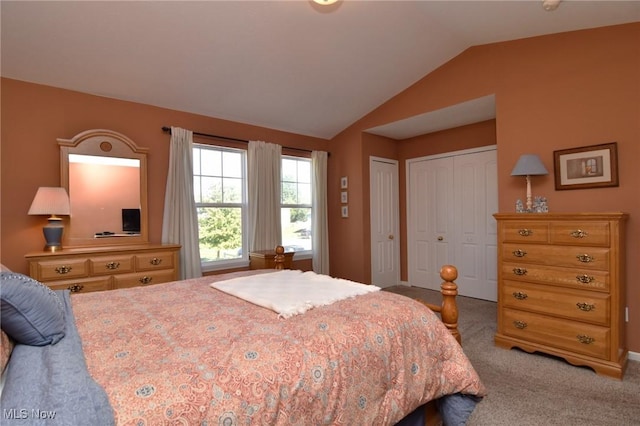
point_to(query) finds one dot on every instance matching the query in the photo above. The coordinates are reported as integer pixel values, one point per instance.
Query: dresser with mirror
(106, 237)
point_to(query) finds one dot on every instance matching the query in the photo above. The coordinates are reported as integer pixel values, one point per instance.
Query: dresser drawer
(577, 337)
(525, 232)
(585, 306)
(581, 233)
(570, 256)
(566, 277)
(111, 264)
(155, 260)
(62, 269)
(142, 279)
(83, 285)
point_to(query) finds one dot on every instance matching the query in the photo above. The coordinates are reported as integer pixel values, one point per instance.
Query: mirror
(105, 174)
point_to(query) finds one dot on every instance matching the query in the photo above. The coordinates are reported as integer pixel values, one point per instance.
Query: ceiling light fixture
(325, 2)
(550, 5)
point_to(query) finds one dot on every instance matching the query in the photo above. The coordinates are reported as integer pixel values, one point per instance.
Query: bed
(187, 353)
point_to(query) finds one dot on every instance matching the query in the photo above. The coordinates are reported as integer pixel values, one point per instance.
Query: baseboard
(634, 356)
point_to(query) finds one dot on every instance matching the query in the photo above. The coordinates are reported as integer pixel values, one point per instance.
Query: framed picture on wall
(592, 166)
(344, 182)
(345, 211)
(344, 197)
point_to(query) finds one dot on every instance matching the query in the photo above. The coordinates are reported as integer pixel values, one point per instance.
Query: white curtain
(180, 221)
(319, 219)
(264, 160)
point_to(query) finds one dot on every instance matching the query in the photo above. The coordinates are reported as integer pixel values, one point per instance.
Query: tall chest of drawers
(86, 269)
(561, 287)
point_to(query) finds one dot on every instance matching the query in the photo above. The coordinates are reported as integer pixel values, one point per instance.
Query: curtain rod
(167, 129)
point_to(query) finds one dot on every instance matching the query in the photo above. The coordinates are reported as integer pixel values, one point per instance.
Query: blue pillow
(30, 313)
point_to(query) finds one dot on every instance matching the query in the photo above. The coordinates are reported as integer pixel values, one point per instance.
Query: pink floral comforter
(185, 353)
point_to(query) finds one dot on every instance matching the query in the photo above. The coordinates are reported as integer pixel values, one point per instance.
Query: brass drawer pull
(585, 258)
(519, 253)
(112, 265)
(587, 340)
(585, 306)
(75, 288)
(578, 233)
(155, 261)
(63, 270)
(525, 232)
(520, 295)
(520, 324)
(585, 279)
(145, 280)
(520, 271)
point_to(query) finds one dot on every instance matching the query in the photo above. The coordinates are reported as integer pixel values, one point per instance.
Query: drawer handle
(585, 258)
(587, 307)
(145, 280)
(584, 279)
(525, 232)
(155, 261)
(75, 288)
(519, 253)
(112, 265)
(520, 295)
(63, 270)
(578, 233)
(520, 324)
(587, 340)
(520, 271)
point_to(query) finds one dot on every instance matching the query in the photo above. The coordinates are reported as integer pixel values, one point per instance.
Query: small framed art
(345, 211)
(344, 197)
(344, 182)
(592, 166)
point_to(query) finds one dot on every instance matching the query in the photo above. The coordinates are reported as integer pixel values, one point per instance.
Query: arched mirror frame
(105, 143)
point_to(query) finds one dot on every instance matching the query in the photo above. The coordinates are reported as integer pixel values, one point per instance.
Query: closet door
(451, 200)
(429, 227)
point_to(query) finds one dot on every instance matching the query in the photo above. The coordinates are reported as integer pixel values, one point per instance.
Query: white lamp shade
(529, 165)
(50, 201)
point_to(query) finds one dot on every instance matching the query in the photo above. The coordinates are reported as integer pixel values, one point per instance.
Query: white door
(451, 200)
(429, 205)
(385, 248)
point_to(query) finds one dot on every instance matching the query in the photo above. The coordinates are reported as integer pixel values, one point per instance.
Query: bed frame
(448, 312)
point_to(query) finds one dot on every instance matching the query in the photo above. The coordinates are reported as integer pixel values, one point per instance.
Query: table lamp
(529, 165)
(51, 201)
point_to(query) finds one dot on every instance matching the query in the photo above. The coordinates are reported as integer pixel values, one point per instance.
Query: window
(219, 186)
(296, 203)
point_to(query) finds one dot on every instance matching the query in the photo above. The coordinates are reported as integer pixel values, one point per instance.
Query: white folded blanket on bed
(292, 292)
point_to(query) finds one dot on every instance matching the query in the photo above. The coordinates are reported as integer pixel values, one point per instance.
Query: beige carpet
(536, 389)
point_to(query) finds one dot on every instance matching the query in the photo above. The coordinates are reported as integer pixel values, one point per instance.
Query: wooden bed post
(279, 258)
(449, 290)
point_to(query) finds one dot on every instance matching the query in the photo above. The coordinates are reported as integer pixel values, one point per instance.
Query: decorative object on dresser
(561, 287)
(51, 201)
(529, 165)
(84, 269)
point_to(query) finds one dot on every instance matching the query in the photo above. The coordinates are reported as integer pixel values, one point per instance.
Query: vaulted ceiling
(287, 65)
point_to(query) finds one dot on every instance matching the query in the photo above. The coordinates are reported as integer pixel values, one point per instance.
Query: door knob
(440, 238)
(390, 237)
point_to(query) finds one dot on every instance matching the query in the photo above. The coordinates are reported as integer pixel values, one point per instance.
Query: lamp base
(53, 234)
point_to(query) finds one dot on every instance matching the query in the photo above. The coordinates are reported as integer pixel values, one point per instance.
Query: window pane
(211, 162)
(289, 193)
(232, 190)
(289, 170)
(220, 233)
(296, 228)
(232, 164)
(211, 190)
(304, 171)
(196, 189)
(196, 161)
(304, 193)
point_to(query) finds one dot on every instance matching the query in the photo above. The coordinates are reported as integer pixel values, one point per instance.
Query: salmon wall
(552, 92)
(35, 116)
